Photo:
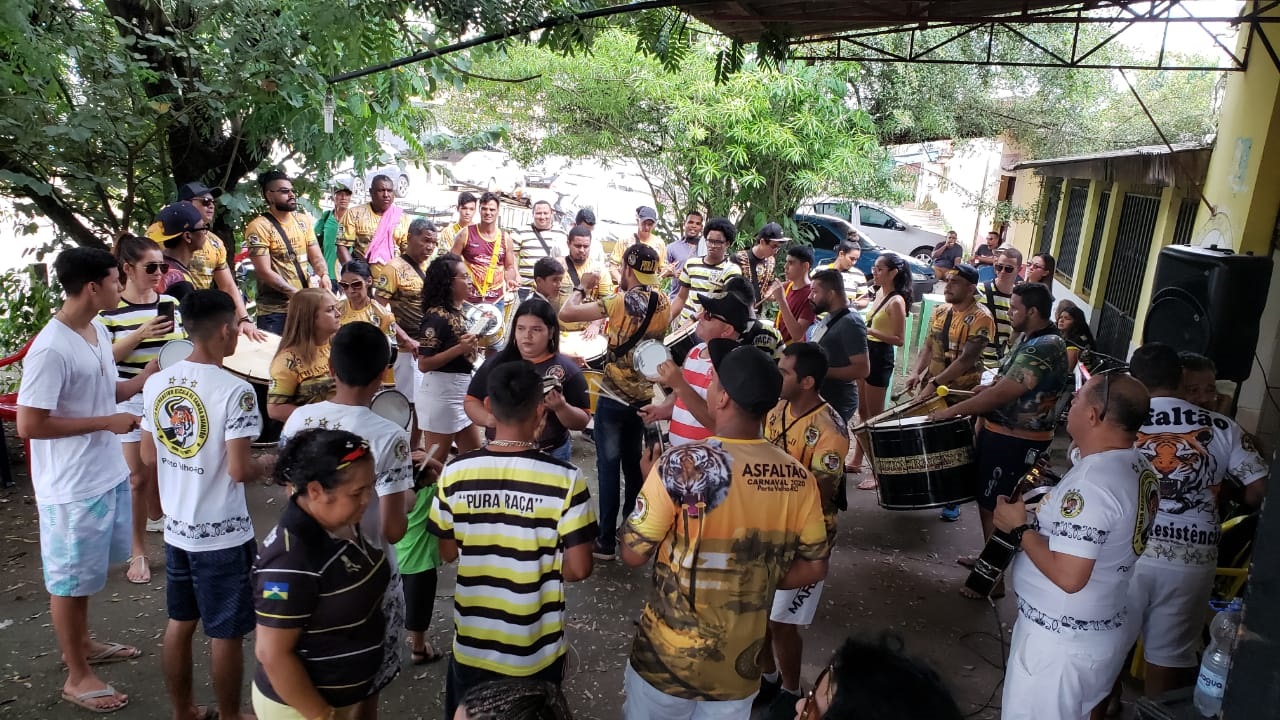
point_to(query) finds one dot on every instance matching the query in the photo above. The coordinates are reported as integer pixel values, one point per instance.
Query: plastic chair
(9, 412)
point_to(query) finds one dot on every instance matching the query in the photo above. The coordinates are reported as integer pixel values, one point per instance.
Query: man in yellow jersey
(812, 432)
(646, 219)
(282, 245)
(579, 264)
(398, 283)
(466, 216)
(378, 218)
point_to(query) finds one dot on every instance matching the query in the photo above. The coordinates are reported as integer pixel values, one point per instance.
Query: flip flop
(420, 657)
(146, 566)
(868, 484)
(82, 700)
(112, 654)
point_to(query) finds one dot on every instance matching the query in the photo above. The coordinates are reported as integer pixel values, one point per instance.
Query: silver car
(881, 225)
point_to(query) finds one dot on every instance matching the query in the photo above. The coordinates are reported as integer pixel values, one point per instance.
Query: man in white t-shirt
(198, 423)
(67, 409)
(1192, 450)
(722, 315)
(358, 361)
(1079, 546)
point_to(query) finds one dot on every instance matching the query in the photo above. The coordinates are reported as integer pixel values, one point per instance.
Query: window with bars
(1095, 242)
(1077, 196)
(1186, 221)
(1052, 197)
(1127, 272)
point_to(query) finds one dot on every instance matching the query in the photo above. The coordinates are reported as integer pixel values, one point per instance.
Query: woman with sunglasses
(874, 680)
(138, 331)
(300, 370)
(357, 305)
(1040, 269)
(319, 584)
(886, 329)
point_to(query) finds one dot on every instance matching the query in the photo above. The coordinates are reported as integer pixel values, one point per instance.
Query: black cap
(728, 307)
(749, 376)
(966, 271)
(586, 216)
(195, 190)
(772, 231)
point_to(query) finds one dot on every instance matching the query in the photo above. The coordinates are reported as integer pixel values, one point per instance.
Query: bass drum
(394, 406)
(921, 464)
(252, 362)
(588, 353)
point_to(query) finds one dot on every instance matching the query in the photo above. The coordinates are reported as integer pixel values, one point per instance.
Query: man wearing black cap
(181, 231)
(698, 642)
(758, 262)
(646, 219)
(208, 266)
(1020, 410)
(722, 315)
(639, 312)
(759, 333)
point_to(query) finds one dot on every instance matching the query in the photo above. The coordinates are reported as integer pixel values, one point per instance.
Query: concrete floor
(890, 571)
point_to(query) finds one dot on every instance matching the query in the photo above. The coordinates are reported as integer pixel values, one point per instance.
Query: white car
(386, 163)
(488, 169)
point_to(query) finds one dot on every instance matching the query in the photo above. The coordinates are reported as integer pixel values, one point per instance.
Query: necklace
(94, 350)
(512, 444)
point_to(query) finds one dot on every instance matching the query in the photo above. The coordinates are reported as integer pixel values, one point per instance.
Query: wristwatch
(1018, 532)
(243, 319)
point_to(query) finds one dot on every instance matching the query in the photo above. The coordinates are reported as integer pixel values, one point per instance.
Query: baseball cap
(643, 261)
(342, 183)
(174, 220)
(644, 212)
(747, 374)
(966, 271)
(772, 231)
(195, 190)
(726, 306)
(586, 216)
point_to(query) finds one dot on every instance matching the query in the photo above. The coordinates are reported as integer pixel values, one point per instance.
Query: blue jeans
(564, 453)
(619, 437)
(271, 322)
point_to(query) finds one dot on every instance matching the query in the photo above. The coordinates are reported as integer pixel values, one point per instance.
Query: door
(1128, 270)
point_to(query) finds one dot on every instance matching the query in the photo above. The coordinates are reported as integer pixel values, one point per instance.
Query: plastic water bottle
(1217, 660)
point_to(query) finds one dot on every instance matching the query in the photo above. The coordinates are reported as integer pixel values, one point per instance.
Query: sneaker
(155, 526)
(769, 690)
(600, 552)
(950, 513)
(783, 706)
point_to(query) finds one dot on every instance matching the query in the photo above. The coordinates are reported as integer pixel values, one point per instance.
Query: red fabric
(798, 301)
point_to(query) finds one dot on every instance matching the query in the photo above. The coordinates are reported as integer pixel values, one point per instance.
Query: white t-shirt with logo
(1102, 510)
(1192, 450)
(392, 466)
(69, 377)
(192, 410)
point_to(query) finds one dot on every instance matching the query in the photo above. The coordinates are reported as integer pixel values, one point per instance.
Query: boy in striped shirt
(520, 525)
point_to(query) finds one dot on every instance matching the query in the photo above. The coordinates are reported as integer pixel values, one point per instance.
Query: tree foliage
(750, 146)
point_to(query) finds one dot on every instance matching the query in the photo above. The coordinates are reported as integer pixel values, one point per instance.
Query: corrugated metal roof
(1184, 166)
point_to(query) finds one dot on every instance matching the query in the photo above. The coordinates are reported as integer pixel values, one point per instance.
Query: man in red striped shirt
(723, 315)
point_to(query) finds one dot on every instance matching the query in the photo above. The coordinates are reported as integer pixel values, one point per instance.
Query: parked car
(880, 224)
(386, 163)
(824, 232)
(491, 170)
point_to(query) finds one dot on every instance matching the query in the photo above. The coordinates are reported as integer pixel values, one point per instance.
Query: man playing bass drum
(1079, 547)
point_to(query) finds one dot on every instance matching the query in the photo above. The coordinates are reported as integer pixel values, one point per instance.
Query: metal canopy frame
(924, 45)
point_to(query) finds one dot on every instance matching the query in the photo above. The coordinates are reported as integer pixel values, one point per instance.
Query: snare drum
(252, 362)
(174, 352)
(649, 354)
(680, 342)
(485, 322)
(587, 352)
(921, 464)
(394, 406)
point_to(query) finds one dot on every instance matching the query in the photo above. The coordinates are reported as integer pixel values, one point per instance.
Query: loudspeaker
(1209, 301)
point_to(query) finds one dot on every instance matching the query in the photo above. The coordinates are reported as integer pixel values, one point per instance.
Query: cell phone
(165, 309)
(549, 384)
(653, 436)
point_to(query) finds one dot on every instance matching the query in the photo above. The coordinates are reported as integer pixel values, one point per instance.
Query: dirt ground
(890, 571)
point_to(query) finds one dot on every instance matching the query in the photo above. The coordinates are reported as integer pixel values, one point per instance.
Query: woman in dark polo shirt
(319, 585)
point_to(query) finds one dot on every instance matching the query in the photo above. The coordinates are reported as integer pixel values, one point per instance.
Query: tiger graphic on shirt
(1185, 466)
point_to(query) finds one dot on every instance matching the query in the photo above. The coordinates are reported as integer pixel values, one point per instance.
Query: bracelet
(579, 290)
(1018, 532)
(243, 319)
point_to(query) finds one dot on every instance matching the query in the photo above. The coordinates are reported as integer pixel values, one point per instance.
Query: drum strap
(631, 342)
(297, 266)
(409, 261)
(538, 234)
(573, 272)
(946, 332)
(794, 419)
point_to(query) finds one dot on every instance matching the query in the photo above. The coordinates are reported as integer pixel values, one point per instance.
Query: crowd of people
(721, 467)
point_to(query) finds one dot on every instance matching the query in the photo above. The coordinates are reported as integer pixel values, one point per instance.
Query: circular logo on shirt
(555, 372)
(401, 450)
(1148, 505)
(1072, 504)
(640, 511)
(811, 435)
(831, 462)
(182, 425)
(248, 401)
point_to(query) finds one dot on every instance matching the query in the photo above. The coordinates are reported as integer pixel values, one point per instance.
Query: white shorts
(133, 406)
(81, 540)
(1049, 677)
(646, 702)
(408, 376)
(1169, 605)
(439, 402)
(798, 606)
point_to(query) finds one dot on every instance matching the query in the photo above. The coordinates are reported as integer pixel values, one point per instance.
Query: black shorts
(1002, 460)
(214, 587)
(881, 357)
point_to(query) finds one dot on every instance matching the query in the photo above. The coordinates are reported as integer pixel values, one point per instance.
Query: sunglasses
(152, 268)
(1106, 396)
(1004, 268)
(207, 202)
(283, 191)
(809, 711)
(353, 285)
